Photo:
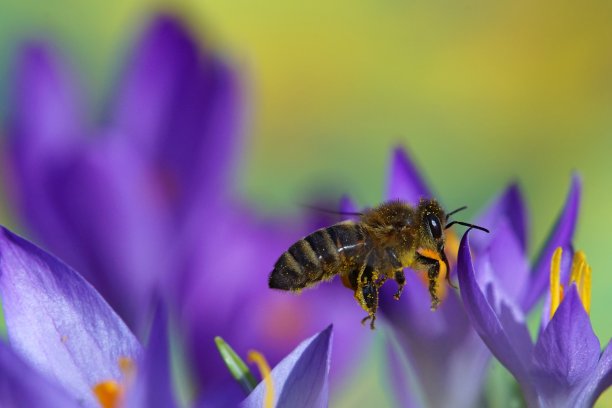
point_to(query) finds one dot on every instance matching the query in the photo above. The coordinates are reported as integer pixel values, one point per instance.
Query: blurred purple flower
(145, 202)
(565, 368)
(242, 309)
(65, 340)
(116, 202)
(429, 350)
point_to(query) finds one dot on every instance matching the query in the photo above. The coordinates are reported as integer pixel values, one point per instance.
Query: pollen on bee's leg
(439, 277)
(264, 369)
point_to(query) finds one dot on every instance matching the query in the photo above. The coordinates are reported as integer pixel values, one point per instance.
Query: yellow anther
(109, 393)
(264, 369)
(585, 294)
(555, 281)
(580, 275)
(578, 265)
(578, 258)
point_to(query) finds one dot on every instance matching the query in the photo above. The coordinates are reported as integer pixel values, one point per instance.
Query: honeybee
(365, 253)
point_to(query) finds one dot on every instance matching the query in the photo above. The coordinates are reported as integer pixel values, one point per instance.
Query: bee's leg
(433, 270)
(399, 274)
(452, 285)
(366, 293)
(400, 278)
(370, 298)
(432, 275)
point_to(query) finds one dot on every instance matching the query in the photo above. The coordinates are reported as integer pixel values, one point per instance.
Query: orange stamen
(109, 393)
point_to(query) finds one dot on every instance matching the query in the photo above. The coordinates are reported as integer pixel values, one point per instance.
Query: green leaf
(236, 366)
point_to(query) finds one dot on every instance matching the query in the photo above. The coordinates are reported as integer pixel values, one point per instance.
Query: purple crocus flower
(565, 367)
(67, 347)
(428, 350)
(118, 202)
(143, 202)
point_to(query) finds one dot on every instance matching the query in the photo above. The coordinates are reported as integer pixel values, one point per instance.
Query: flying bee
(367, 252)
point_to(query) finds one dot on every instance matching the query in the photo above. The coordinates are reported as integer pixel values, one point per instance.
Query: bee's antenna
(328, 211)
(455, 211)
(465, 224)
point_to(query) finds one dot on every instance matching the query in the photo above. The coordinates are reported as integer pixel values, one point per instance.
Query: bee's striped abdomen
(321, 255)
(348, 239)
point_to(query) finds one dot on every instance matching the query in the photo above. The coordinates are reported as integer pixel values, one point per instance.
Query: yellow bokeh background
(482, 93)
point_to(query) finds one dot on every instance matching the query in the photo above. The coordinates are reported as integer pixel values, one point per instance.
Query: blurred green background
(482, 93)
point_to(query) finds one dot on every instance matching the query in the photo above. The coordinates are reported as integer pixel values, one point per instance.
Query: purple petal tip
(561, 236)
(404, 180)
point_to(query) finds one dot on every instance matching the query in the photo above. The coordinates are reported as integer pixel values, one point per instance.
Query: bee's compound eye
(433, 223)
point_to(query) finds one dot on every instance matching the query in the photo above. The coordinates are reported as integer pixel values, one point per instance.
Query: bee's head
(432, 221)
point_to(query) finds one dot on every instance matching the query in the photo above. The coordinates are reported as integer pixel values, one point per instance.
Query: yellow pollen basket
(110, 392)
(264, 369)
(580, 274)
(440, 286)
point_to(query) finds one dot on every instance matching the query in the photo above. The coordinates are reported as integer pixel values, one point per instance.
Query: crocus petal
(503, 343)
(602, 378)
(153, 387)
(404, 382)
(115, 223)
(509, 267)
(405, 181)
(179, 106)
(420, 364)
(43, 127)
(567, 351)
(300, 379)
(22, 386)
(46, 116)
(561, 236)
(160, 62)
(347, 205)
(57, 322)
(509, 207)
